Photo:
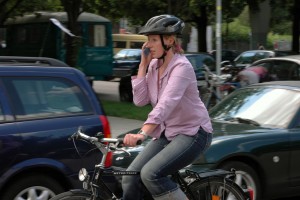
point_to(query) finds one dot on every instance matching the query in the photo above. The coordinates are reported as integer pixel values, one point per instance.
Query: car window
(120, 55)
(258, 104)
(193, 60)
(261, 55)
(285, 70)
(210, 62)
(245, 58)
(119, 44)
(267, 65)
(133, 55)
(45, 97)
(197, 61)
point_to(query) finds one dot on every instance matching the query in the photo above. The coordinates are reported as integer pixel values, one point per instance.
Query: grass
(125, 110)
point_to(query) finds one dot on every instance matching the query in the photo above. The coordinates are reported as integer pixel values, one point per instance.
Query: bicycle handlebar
(80, 135)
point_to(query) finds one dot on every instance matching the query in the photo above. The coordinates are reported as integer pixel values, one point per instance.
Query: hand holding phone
(146, 51)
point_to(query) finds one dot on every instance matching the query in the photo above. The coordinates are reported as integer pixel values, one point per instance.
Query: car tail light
(107, 134)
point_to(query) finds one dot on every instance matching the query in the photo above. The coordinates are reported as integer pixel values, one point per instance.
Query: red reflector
(107, 134)
(108, 161)
(251, 193)
(106, 127)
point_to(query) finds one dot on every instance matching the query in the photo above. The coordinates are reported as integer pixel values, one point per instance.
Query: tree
(73, 9)
(7, 7)
(198, 13)
(260, 15)
(296, 21)
(11, 8)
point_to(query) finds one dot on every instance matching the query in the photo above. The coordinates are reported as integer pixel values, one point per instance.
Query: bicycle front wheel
(70, 195)
(216, 188)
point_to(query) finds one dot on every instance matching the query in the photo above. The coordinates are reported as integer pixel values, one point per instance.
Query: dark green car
(257, 132)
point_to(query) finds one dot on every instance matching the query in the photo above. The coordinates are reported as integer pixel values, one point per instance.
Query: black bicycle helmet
(163, 25)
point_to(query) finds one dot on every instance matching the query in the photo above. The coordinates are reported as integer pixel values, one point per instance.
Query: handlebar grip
(120, 140)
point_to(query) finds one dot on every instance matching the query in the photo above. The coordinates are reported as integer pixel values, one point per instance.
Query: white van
(128, 41)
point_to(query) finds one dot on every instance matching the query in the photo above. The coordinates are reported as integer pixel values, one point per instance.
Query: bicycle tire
(216, 187)
(70, 195)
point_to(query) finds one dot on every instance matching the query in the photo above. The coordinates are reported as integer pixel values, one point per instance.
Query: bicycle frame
(95, 187)
(96, 183)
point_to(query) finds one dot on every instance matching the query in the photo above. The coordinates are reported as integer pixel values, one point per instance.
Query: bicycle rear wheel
(71, 195)
(216, 188)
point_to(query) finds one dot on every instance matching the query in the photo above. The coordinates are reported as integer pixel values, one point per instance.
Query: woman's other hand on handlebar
(131, 140)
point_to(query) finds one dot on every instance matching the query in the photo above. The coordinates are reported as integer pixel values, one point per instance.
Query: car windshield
(264, 106)
(128, 55)
(198, 60)
(250, 57)
(245, 58)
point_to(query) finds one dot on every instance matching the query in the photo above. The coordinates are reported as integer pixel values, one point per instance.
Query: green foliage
(37, 5)
(125, 110)
(277, 37)
(237, 31)
(281, 22)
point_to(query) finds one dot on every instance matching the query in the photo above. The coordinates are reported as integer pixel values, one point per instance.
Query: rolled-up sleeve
(140, 91)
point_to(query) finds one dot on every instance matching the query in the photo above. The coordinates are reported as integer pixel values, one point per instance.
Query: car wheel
(125, 89)
(125, 95)
(33, 187)
(246, 177)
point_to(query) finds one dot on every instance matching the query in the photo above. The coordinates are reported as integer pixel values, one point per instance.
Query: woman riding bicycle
(179, 122)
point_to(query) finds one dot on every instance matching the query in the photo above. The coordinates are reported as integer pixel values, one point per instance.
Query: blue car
(40, 107)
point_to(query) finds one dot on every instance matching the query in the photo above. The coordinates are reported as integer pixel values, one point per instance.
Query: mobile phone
(146, 51)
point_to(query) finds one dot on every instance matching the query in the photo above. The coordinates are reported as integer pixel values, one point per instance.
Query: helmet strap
(166, 48)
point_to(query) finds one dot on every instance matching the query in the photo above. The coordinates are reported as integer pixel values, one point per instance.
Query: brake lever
(75, 135)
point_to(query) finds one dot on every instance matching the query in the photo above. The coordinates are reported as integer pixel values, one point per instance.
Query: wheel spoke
(239, 179)
(32, 194)
(45, 195)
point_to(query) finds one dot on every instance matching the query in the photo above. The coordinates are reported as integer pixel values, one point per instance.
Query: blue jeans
(159, 159)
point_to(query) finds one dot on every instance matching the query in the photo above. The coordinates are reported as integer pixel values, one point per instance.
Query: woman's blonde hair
(176, 47)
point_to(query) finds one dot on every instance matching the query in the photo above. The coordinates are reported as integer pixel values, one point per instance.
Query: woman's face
(156, 48)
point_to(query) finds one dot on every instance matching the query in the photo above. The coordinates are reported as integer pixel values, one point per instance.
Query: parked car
(41, 106)
(246, 58)
(227, 54)
(196, 59)
(281, 68)
(126, 62)
(256, 132)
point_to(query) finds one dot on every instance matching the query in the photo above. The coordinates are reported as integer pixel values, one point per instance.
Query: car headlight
(83, 174)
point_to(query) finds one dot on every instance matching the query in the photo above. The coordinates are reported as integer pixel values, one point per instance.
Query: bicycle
(210, 185)
(217, 88)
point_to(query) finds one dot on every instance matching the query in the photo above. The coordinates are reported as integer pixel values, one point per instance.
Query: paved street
(107, 90)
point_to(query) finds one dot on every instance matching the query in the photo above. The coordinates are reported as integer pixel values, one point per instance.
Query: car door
(10, 142)
(47, 111)
(294, 172)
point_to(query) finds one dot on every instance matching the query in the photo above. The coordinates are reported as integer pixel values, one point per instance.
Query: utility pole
(218, 41)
